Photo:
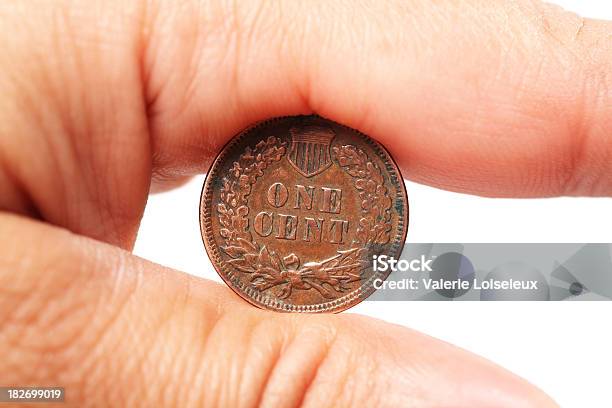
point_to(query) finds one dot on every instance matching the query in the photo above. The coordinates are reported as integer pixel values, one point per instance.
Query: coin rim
(258, 298)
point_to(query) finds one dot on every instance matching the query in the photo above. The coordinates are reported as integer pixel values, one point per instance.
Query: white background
(564, 348)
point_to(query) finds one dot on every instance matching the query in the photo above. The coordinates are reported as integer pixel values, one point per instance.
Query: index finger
(491, 98)
(497, 98)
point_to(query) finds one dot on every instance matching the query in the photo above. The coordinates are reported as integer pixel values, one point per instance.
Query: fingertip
(425, 372)
(483, 385)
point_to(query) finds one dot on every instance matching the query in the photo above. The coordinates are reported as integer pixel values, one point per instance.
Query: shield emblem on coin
(309, 152)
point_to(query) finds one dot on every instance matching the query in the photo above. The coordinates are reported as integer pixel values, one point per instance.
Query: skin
(105, 100)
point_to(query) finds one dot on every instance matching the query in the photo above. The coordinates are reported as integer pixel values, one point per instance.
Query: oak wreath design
(266, 267)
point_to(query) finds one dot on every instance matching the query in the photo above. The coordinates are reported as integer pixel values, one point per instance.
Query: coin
(294, 209)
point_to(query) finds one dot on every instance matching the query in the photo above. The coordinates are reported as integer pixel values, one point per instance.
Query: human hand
(99, 98)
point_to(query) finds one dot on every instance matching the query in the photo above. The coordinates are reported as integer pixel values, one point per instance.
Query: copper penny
(293, 209)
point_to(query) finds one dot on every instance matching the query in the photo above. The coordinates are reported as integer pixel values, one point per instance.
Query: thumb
(115, 330)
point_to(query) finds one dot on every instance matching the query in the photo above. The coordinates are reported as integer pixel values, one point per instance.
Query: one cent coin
(294, 209)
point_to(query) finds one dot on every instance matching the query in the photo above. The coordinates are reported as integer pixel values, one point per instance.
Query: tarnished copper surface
(294, 208)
